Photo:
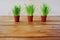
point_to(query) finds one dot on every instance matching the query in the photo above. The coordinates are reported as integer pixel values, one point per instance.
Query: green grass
(45, 10)
(30, 10)
(16, 10)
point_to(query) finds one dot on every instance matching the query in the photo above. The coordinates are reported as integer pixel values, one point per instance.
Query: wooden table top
(35, 29)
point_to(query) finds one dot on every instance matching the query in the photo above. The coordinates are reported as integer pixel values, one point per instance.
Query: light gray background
(7, 5)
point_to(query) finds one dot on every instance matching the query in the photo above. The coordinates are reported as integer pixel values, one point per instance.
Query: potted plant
(16, 11)
(30, 11)
(44, 12)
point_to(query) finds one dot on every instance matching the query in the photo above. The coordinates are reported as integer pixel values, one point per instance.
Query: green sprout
(30, 10)
(16, 10)
(45, 10)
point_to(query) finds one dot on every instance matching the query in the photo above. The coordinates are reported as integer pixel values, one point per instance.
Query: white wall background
(7, 5)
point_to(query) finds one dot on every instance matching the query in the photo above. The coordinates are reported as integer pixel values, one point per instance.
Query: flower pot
(43, 18)
(16, 18)
(30, 18)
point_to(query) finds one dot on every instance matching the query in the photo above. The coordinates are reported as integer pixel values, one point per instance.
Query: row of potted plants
(30, 10)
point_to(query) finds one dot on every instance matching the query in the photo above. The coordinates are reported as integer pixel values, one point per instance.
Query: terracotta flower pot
(30, 18)
(16, 18)
(43, 18)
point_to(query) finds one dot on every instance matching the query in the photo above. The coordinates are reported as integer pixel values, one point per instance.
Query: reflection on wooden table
(24, 29)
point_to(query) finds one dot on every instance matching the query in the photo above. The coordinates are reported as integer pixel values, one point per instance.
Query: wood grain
(24, 30)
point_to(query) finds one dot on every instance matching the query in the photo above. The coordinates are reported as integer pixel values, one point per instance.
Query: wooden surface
(36, 30)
